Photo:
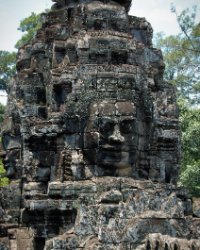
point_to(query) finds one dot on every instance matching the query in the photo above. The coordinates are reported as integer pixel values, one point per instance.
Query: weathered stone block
(196, 207)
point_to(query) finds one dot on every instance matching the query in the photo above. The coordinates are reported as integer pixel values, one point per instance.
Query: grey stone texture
(92, 139)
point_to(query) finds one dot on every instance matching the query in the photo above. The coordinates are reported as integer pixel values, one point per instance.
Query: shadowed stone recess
(92, 139)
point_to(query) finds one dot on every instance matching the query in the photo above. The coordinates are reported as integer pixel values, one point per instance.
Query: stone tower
(91, 138)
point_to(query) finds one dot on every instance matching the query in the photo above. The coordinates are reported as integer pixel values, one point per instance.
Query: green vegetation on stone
(3, 180)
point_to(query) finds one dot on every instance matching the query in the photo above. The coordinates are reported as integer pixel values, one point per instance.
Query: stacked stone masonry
(92, 139)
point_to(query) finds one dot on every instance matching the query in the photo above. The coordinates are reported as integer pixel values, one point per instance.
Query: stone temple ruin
(92, 140)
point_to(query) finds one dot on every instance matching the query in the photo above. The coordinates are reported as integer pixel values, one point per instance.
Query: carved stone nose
(116, 135)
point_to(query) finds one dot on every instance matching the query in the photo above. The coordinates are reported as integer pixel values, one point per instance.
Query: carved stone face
(12, 146)
(110, 137)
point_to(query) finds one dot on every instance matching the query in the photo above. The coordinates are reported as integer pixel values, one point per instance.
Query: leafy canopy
(29, 27)
(7, 67)
(190, 127)
(182, 56)
(182, 60)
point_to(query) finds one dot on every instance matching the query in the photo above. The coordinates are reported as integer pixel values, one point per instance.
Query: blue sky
(157, 12)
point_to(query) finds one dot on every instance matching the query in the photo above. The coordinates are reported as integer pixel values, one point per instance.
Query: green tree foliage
(29, 27)
(190, 126)
(191, 178)
(182, 60)
(182, 56)
(7, 67)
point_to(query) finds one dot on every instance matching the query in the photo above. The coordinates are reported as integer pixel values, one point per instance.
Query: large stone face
(91, 137)
(92, 85)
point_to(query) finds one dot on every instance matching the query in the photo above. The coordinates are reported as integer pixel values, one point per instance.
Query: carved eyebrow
(126, 119)
(107, 119)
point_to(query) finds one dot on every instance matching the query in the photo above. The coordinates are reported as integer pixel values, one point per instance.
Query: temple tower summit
(71, 3)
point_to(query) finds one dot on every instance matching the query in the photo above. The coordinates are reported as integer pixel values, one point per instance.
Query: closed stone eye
(127, 127)
(106, 127)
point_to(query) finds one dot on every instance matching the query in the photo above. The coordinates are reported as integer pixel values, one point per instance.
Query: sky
(157, 12)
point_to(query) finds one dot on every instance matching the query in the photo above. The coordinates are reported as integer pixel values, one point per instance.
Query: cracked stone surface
(92, 139)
